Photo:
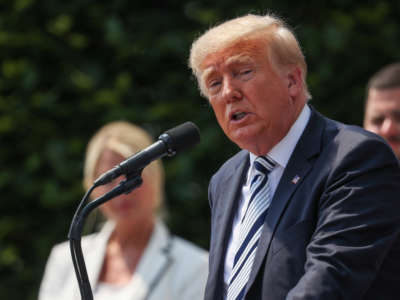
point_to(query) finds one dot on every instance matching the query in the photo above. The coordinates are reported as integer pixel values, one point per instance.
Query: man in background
(382, 105)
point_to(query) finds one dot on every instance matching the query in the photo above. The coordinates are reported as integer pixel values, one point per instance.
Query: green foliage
(68, 67)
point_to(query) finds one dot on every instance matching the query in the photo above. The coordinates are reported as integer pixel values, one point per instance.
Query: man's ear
(294, 81)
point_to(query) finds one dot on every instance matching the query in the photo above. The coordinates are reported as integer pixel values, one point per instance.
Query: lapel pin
(296, 179)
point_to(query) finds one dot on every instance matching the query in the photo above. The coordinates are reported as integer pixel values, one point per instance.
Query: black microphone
(169, 143)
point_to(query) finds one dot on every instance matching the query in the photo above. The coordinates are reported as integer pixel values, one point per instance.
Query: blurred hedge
(68, 67)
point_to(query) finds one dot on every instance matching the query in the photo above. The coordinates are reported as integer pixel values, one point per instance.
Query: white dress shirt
(280, 153)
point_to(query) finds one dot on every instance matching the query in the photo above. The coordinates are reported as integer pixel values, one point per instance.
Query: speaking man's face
(254, 105)
(382, 116)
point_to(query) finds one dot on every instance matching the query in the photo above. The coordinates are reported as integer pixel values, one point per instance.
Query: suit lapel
(298, 167)
(224, 218)
(153, 265)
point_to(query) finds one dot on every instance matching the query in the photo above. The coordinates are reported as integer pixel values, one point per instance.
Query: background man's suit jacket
(332, 235)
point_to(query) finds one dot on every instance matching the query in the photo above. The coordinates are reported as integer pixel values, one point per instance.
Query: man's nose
(389, 127)
(231, 91)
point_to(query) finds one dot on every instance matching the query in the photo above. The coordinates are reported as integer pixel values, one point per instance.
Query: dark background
(68, 67)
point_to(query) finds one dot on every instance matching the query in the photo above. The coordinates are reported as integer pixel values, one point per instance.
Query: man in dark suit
(309, 209)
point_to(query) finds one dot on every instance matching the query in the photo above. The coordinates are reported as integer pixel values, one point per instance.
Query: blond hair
(124, 139)
(284, 49)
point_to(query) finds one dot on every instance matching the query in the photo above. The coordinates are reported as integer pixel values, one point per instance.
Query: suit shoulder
(341, 130)
(350, 148)
(58, 269)
(62, 250)
(351, 137)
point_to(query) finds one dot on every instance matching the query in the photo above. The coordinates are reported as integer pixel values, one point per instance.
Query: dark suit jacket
(335, 234)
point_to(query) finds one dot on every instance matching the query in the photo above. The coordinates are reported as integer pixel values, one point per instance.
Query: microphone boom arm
(132, 181)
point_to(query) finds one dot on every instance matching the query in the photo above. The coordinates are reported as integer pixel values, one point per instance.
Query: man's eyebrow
(207, 72)
(236, 59)
(239, 59)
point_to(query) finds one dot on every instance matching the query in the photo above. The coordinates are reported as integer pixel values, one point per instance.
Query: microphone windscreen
(183, 136)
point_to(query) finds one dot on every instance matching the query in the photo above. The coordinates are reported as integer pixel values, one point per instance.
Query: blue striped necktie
(250, 227)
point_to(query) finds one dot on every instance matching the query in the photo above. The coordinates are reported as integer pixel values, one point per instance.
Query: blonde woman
(133, 256)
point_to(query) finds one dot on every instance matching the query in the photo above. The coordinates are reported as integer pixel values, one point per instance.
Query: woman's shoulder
(88, 243)
(178, 246)
(63, 248)
(185, 247)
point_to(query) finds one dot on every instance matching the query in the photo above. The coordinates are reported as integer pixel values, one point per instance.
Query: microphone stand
(132, 181)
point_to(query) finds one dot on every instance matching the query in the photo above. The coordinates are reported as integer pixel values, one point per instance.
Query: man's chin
(250, 144)
(244, 134)
(396, 148)
(243, 141)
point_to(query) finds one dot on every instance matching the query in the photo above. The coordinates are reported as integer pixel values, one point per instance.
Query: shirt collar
(282, 151)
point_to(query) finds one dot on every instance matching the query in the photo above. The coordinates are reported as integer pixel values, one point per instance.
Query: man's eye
(214, 84)
(377, 121)
(245, 73)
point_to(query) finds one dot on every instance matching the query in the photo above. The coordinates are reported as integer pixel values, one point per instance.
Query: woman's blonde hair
(284, 49)
(124, 139)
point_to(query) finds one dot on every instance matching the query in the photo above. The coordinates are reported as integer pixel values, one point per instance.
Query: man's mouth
(238, 116)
